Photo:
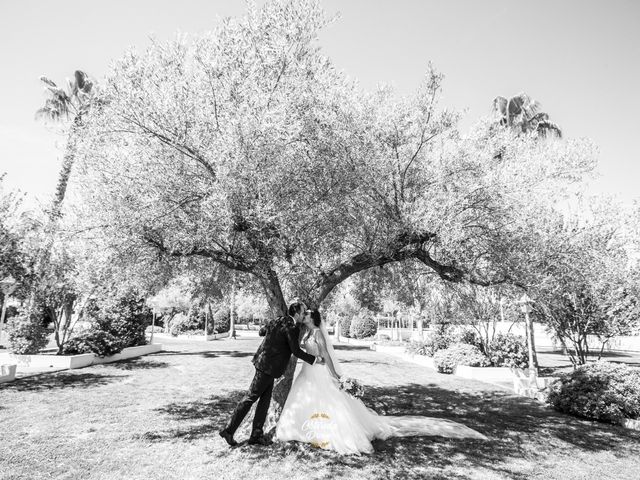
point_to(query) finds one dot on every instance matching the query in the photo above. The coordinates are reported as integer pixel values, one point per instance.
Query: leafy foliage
(448, 359)
(601, 391)
(182, 323)
(117, 322)
(471, 337)
(27, 334)
(345, 325)
(222, 320)
(438, 339)
(508, 350)
(363, 325)
(585, 283)
(93, 340)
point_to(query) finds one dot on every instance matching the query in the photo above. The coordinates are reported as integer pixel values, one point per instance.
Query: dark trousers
(260, 390)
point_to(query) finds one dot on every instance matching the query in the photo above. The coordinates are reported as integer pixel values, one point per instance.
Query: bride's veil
(329, 344)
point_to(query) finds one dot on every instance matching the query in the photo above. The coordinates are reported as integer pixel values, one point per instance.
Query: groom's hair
(295, 307)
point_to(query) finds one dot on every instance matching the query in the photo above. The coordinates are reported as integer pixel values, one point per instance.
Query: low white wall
(49, 361)
(195, 338)
(75, 361)
(355, 341)
(127, 353)
(7, 373)
(246, 333)
(216, 336)
(486, 374)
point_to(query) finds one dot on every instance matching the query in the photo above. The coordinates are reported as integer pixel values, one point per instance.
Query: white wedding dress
(317, 411)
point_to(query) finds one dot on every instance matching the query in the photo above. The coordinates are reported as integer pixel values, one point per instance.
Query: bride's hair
(315, 316)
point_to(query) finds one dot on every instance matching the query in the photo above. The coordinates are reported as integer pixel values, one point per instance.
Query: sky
(579, 58)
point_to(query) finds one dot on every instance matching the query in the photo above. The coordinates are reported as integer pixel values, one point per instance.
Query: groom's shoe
(262, 440)
(228, 437)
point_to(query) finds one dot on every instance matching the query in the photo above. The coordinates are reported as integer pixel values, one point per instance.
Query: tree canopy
(247, 146)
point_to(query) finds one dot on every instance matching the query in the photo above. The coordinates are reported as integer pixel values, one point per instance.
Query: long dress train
(318, 412)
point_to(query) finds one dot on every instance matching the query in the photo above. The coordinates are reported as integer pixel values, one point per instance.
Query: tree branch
(229, 260)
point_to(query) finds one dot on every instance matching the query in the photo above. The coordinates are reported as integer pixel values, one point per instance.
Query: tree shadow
(342, 346)
(363, 362)
(139, 364)
(205, 353)
(57, 381)
(518, 429)
(214, 411)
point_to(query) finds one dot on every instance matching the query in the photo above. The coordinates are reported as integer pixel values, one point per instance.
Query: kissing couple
(317, 411)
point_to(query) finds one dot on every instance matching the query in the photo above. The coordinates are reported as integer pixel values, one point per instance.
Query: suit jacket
(281, 339)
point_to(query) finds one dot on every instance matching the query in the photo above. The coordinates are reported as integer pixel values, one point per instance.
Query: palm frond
(49, 82)
(500, 105)
(547, 129)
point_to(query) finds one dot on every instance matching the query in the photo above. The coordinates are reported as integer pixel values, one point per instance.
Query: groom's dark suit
(271, 359)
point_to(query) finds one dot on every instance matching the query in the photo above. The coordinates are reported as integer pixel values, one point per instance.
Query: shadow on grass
(57, 381)
(343, 346)
(205, 353)
(211, 415)
(518, 429)
(138, 364)
(377, 362)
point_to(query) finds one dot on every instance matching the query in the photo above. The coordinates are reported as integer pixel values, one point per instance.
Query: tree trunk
(282, 385)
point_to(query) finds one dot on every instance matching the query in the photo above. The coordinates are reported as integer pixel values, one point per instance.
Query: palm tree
(523, 113)
(61, 105)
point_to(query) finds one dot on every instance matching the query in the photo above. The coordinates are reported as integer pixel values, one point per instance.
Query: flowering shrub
(509, 350)
(602, 390)
(448, 359)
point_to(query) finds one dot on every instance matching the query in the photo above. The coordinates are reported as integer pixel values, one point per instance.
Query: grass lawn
(157, 418)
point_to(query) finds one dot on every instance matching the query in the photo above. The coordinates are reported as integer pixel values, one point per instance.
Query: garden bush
(94, 340)
(126, 317)
(436, 340)
(27, 334)
(448, 359)
(602, 391)
(222, 320)
(470, 337)
(509, 350)
(363, 325)
(182, 323)
(345, 326)
(419, 347)
(197, 317)
(117, 323)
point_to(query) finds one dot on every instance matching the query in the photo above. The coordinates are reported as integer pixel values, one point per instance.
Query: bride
(318, 412)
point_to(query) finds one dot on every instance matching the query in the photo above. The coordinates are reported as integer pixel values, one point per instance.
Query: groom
(270, 360)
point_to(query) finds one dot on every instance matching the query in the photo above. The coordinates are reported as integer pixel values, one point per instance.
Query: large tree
(248, 147)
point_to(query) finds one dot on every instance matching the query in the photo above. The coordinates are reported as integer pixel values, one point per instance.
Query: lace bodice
(311, 345)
